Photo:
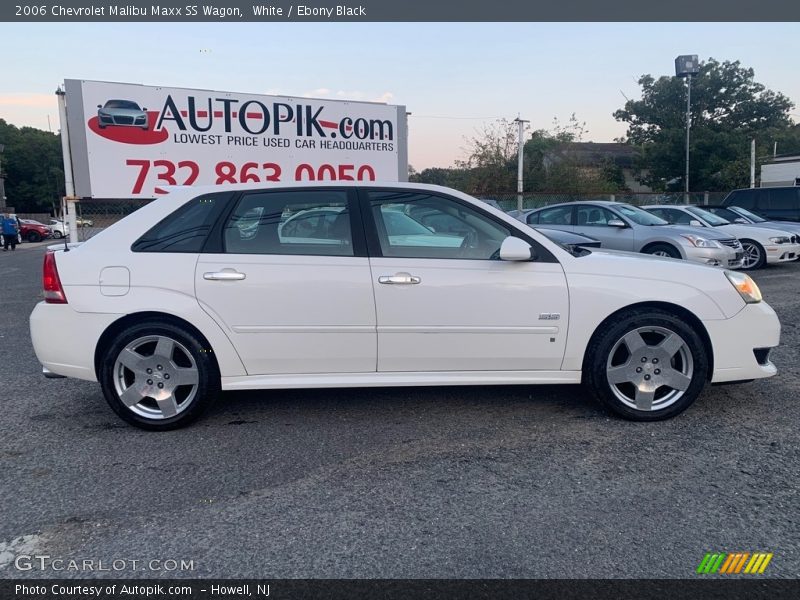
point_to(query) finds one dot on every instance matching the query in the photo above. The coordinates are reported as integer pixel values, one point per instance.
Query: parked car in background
(761, 245)
(773, 203)
(171, 304)
(82, 222)
(58, 228)
(737, 214)
(33, 231)
(621, 226)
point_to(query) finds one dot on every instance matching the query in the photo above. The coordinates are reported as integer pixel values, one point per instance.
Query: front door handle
(399, 279)
(224, 275)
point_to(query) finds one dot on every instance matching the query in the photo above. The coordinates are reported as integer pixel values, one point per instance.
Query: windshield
(707, 216)
(747, 214)
(639, 216)
(127, 104)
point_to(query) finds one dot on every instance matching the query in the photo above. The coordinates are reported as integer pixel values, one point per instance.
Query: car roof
(771, 187)
(205, 189)
(574, 202)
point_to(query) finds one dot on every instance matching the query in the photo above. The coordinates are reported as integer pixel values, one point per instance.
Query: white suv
(206, 289)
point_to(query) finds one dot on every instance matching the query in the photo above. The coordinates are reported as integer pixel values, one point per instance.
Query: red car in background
(33, 231)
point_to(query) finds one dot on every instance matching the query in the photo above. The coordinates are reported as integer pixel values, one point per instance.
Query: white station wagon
(353, 284)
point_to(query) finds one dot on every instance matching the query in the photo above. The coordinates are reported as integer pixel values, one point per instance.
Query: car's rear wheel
(647, 365)
(158, 376)
(754, 255)
(663, 250)
(57, 234)
(34, 237)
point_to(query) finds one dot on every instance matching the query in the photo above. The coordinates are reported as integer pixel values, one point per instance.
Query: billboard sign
(129, 141)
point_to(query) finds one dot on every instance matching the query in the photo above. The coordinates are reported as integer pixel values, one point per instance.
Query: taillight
(53, 290)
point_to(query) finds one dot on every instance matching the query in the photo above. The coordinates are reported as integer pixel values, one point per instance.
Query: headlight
(745, 285)
(700, 242)
(780, 240)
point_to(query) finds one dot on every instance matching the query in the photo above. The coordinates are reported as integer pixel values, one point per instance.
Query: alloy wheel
(752, 255)
(156, 377)
(649, 368)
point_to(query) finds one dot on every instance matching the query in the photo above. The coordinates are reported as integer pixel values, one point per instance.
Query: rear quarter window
(186, 229)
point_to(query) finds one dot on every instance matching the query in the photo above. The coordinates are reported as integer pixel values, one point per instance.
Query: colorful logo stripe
(731, 563)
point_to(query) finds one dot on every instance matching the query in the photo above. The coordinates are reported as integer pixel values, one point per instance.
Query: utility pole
(520, 152)
(687, 65)
(688, 128)
(752, 163)
(69, 206)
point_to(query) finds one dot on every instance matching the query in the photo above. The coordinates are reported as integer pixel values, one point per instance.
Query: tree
(492, 157)
(33, 168)
(728, 109)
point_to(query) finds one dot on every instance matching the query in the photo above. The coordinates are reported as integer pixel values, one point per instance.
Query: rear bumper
(64, 340)
(737, 342)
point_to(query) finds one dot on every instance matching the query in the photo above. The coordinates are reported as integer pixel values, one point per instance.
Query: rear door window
(558, 215)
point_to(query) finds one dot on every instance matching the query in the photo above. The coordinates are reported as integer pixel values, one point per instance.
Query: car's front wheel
(646, 365)
(754, 255)
(158, 376)
(57, 234)
(665, 250)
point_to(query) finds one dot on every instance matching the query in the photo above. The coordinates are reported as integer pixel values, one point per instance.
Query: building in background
(781, 170)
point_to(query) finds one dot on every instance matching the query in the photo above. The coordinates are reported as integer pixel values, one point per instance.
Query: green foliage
(33, 168)
(728, 109)
(491, 163)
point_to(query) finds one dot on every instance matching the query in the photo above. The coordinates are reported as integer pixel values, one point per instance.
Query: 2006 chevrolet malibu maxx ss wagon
(344, 285)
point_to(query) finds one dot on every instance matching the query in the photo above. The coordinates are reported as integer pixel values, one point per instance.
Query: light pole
(520, 153)
(687, 65)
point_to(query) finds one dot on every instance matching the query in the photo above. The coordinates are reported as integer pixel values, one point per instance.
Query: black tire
(57, 234)
(752, 246)
(598, 361)
(666, 249)
(34, 237)
(208, 378)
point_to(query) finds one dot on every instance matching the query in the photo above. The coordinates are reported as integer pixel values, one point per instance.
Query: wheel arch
(674, 309)
(133, 318)
(649, 245)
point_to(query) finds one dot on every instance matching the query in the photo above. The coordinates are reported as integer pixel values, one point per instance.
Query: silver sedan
(621, 226)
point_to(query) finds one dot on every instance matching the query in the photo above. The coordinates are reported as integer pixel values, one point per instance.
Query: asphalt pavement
(472, 482)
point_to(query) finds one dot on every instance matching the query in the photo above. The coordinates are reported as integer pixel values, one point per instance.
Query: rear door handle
(224, 275)
(399, 279)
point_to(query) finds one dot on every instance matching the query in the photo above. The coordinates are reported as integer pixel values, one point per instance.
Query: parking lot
(478, 482)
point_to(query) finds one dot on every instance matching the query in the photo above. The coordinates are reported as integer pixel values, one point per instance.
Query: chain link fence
(93, 216)
(509, 200)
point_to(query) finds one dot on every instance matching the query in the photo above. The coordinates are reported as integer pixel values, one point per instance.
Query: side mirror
(99, 106)
(144, 109)
(516, 249)
(616, 223)
(695, 223)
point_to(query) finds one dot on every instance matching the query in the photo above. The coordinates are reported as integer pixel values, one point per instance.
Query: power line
(413, 116)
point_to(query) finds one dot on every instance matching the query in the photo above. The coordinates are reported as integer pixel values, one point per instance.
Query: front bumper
(782, 253)
(738, 343)
(724, 257)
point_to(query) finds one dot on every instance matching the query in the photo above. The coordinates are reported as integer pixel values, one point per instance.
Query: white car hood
(759, 234)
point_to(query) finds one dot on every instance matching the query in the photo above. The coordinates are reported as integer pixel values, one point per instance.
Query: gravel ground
(477, 482)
